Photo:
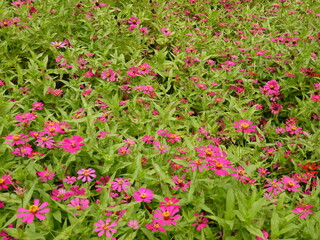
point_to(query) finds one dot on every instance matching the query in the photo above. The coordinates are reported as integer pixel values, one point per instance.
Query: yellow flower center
(33, 208)
(293, 128)
(219, 165)
(1, 180)
(143, 195)
(120, 182)
(290, 184)
(166, 215)
(241, 172)
(105, 227)
(208, 151)
(16, 137)
(244, 125)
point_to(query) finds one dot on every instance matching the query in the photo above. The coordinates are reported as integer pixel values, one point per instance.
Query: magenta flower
(165, 31)
(102, 183)
(86, 174)
(5, 180)
(25, 117)
(180, 184)
(124, 151)
(219, 164)
(170, 202)
(167, 215)
(61, 194)
(120, 184)
(33, 211)
(156, 225)
(143, 195)
(201, 221)
(17, 139)
(198, 164)
(290, 184)
(45, 175)
(303, 210)
(265, 236)
(273, 186)
(73, 144)
(79, 203)
(109, 75)
(105, 228)
(210, 151)
(37, 105)
(69, 179)
(244, 126)
(160, 148)
(45, 141)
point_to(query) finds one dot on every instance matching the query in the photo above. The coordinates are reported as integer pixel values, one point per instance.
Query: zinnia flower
(244, 126)
(143, 195)
(105, 227)
(86, 174)
(34, 210)
(73, 144)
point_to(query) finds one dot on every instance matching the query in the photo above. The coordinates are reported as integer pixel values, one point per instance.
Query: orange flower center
(219, 165)
(241, 172)
(86, 173)
(143, 195)
(120, 182)
(244, 125)
(166, 215)
(208, 152)
(290, 184)
(16, 137)
(105, 227)
(1, 181)
(33, 208)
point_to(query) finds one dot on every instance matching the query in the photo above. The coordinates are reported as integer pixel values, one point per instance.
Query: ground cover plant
(153, 119)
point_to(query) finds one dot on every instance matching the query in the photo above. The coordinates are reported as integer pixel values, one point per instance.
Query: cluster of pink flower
(44, 139)
(143, 69)
(5, 23)
(286, 40)
(65, 64)
(109, 75)
(165, 215)
(55, 92)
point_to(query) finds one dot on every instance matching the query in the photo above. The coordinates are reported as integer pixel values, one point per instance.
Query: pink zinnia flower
(33, 211)
(167, 215)
(17, 139)
(133, 224)
(160, 148)
(244, 126)
(165, 31)
(105, 227)
(201, 221)
(37, 105)
(265, 236)
(303, 210)
(61, 194)
(143, 195)
(273, 186)
(5, 180)
(198, 164)
(102, 183)
(79, 203)
(120, 184)
(290, 184)
(45, 141)
(156, 225)
(73, 144)
(124, 151)
(109, 75)
(69, 179)
(219, 164)
(86, 174)
(180, 184)
(45, 175)
(169, 202)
